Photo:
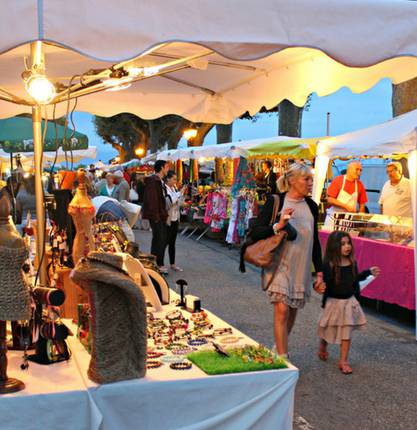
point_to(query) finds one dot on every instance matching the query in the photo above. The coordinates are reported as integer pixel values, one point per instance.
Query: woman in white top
(174, 200)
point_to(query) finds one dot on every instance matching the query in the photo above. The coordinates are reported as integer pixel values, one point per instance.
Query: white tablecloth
(61, 396)
(55, 397)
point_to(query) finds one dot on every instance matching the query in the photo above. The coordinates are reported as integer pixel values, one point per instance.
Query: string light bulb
(40, 88)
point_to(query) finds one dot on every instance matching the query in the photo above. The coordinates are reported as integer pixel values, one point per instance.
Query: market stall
(395, 137)
(164, 399)
(204, 67)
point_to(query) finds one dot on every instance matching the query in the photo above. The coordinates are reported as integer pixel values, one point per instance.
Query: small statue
(82, 212)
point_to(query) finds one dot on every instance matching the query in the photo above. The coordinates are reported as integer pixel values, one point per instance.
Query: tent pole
(412, 167)
(38, 62)
(40, 210)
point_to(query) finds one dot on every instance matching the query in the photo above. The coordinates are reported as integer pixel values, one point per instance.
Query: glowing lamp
(140, 152)
(40, 89)
(190, 133)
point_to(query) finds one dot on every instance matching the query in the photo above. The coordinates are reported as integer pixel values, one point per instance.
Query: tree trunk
(290, 117)
(155, 132)
(404, 97)
(224, 133)
(202, 132)
(176, 133)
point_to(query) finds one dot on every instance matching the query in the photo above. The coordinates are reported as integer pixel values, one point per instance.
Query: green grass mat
(213, 363)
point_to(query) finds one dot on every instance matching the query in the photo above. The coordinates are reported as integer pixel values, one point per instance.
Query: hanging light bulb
(40, 88)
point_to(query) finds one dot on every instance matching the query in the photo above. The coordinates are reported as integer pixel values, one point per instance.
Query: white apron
(345, 198)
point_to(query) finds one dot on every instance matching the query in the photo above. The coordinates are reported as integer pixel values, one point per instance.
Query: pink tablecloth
(396, 283)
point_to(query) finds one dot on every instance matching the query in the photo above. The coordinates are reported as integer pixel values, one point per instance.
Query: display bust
(82, 212)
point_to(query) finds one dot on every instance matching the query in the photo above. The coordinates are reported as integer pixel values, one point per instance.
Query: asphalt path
(382, 391)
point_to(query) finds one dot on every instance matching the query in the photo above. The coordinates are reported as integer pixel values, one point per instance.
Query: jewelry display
(168, 359)
(222, 331)
(183, 351)
(153, 364)
(154, 354)
(181, 366)
(230, 339)
(197, 342)
(175, 345)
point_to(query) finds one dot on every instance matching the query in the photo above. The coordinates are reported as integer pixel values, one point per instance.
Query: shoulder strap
(275, 210)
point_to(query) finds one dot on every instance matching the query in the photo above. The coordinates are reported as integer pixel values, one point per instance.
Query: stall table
(396, 283)
(60, 396)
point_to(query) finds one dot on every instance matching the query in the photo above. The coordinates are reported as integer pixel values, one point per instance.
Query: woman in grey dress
(289, 283)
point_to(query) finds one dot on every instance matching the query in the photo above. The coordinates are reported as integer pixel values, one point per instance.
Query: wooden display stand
(73, 294)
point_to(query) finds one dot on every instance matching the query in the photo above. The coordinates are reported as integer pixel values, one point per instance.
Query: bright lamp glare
(135, 72)
(40, 89)
(150, 71)
(190, 133)
(114, 84)
(140, 152)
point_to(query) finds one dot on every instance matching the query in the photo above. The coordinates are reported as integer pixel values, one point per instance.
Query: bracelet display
(229, 339)
(168, 359)
(153, 364)
(183, 365)
(222, 331)
(183, 351)
(154, 354)
(197, 342)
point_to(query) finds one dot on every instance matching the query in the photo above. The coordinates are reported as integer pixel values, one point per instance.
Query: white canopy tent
(208, 62)
(233, 149)
(398, 136)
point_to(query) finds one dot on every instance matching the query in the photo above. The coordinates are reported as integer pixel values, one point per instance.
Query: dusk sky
(349, 112)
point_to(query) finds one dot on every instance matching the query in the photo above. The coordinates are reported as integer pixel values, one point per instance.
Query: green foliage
(213, 363)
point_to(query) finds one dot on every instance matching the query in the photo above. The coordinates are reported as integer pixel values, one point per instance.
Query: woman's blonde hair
(294, 171)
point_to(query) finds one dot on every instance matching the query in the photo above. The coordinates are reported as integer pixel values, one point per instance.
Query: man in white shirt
(395, 196)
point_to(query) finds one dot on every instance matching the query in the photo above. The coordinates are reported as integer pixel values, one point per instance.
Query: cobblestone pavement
(380, 394)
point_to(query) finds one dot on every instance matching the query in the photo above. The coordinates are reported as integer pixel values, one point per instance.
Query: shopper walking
(289, 284)
(26, 201)
(154, 209)
(175, 199)
(342, 312)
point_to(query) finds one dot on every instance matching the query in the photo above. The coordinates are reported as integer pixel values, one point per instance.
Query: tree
(224, 133)
(126, 132)
(404, 99)
(290, 117)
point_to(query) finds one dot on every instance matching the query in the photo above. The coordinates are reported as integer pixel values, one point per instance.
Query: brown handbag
(263, 253)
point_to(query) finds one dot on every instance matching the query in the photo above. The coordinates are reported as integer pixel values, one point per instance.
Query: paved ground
(382, 392)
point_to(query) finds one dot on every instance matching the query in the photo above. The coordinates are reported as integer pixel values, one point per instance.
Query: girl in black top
(342, 312)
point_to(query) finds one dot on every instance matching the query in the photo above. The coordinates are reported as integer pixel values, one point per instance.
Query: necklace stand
(10, 238)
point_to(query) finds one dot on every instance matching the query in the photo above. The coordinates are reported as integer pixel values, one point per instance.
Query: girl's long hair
(333, 256)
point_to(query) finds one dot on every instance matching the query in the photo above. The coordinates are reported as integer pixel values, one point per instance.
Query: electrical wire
(43, 198)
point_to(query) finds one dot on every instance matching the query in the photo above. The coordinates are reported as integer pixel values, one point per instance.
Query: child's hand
(375, 271)
(320, 287)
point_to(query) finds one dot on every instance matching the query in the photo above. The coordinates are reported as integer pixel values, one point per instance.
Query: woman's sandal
(323, 355)
(345, 369)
